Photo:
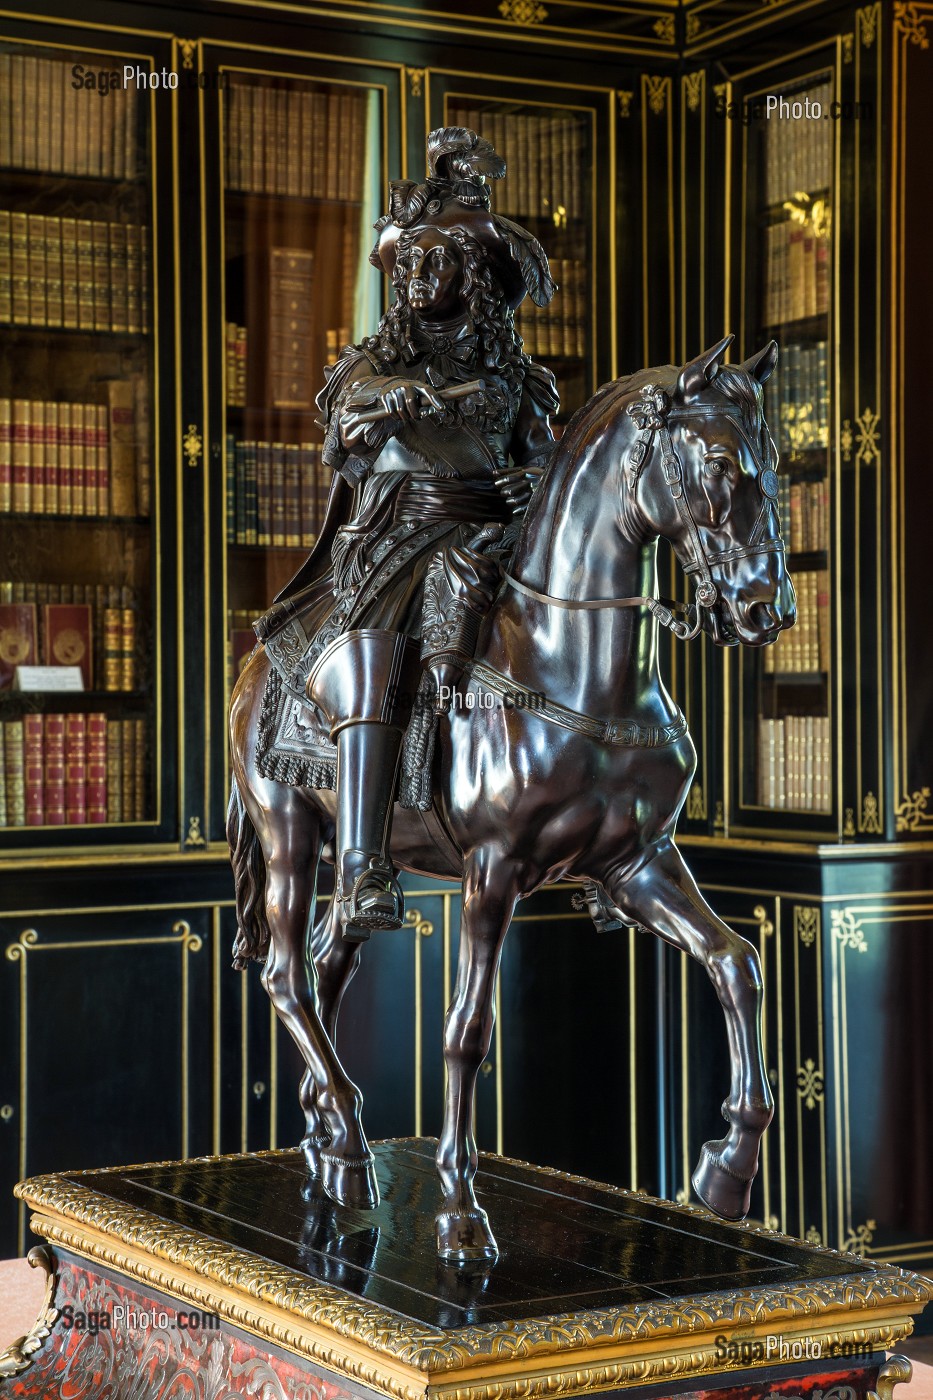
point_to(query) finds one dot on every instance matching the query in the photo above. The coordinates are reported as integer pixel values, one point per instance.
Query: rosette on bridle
(455, 197)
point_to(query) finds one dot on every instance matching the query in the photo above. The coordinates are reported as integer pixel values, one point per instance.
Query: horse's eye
(717, 466)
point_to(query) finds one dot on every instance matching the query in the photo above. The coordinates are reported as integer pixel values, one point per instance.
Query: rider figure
(440, 425)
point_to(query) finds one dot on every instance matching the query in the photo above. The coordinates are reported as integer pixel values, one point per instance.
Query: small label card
(48, 678)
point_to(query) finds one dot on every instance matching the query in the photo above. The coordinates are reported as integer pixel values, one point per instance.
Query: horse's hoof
(464, 1237)
(720, 1188)
(312, 1190)
(311, 1147)
(350, 1181)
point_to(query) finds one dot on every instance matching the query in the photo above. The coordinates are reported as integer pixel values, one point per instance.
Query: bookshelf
(303, 184)
(77, 518)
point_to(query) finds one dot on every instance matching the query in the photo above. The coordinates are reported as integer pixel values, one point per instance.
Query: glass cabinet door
(79, 523)
(304, 181)
(786, 689)
(548, 188)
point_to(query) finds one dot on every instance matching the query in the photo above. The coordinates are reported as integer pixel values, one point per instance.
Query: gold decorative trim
(911, 812)
(665, 30)
(194, 837)
(696, 803)
(188, 48)
(416, 920)
(848, 825)
(625, 102)
(813, 1236)
(871, 815)
(693, 85)
(537, 1357)
(868, 433)
(695, 27)
(192, 445)
(866, 21)
(847, 930)
(658, 90)
(719, 819)
(524, 12)
(415, 78)
(908, 22)
(17, 1357)
(765, 924)
(858, 1239)
(848, 45)
(806, 924)
(810, 1084)
(897, 1370)
(846, 439)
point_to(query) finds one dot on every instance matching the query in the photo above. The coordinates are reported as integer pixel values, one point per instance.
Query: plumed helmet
(455, 196)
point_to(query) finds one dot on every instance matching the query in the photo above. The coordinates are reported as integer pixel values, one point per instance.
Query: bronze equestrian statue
(465, 555)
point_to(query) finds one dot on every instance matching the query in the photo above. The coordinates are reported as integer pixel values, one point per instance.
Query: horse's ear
(764, 363)
(696, 374)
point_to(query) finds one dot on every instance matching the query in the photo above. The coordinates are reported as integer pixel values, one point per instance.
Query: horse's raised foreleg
(663, 896)
(335, 961)
(489, 892)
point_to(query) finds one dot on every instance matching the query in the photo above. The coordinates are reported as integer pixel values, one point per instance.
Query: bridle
(653, 412)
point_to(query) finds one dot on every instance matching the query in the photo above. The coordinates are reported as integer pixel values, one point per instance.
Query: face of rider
(435, 275)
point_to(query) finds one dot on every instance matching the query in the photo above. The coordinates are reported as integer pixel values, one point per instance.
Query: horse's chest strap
(623, 733)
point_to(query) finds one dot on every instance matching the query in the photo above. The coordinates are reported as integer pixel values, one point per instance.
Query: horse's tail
(249, 876)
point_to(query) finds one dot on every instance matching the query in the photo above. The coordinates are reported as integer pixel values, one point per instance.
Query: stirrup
(374, 901)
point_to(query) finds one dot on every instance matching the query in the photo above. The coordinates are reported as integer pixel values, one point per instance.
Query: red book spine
(96, 760)
(34, 763)
(75, 773)
(54, 800)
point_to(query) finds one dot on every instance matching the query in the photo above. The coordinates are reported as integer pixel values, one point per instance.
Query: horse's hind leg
(662, 895)
(335, 961)
(490, 889)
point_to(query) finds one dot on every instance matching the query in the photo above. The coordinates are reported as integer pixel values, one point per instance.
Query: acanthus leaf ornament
(696, 803)
(867, 424)
(665, 29)
(866, 20)
(806, 923)
(415, 81)
(871, 815)
(658, 88)
(693, 85)
(810, 1083)
(625, 102)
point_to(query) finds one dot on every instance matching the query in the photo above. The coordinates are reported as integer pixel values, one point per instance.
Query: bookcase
(79, 515)
(303, 182)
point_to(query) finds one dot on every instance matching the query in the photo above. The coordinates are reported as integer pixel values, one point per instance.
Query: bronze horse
(586, 789)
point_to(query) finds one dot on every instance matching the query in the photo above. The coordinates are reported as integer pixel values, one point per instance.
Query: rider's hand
(517, 485)
(376, 404)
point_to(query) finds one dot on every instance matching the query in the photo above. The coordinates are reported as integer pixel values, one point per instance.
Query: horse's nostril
(764, 616)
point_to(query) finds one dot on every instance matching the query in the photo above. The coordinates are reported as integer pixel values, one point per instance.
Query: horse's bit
(653, 413)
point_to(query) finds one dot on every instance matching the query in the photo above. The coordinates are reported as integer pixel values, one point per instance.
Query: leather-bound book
(19, 259)
(37, 457)
(133, 279)
(96, 763)
(128, 648)
(118, 306)
(143, 445)
(114, 771)
(14, 765)
(53, 271)
(67, 638)
(263, 494)
(85, 236)
(18, 639)
(75, 769)
(6, 456)
(139, 769)
(128, 752)
(113, 648)
(292, 495)
(278, 503)
(22, 455)
(6, 264)
(290, 328)
(70, 296)
(54, 770)
(121, 412)
(33, 769)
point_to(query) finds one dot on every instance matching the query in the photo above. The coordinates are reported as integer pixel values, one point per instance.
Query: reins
(653, 413)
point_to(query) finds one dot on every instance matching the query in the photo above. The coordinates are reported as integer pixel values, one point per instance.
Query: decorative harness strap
(652, 412)
(624, 733)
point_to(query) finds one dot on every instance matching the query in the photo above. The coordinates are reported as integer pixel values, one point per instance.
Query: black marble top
(566, 1246)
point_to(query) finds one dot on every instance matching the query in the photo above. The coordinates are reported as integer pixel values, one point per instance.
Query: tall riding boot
(367, 764)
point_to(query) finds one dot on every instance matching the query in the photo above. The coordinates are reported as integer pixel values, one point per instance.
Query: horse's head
(715, 495)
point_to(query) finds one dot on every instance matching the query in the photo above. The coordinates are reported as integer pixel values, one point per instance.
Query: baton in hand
(456, 391)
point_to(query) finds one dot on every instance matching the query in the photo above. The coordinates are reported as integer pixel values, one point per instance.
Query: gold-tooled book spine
(114, 771)
(100, 247)
(22, 455)
(37, 462)
(65, 477)
(52, 481)
(54, 770)
(113, 648)
(127, 649)
(14, 761)
(139, 769)
(133, 279)
(6, 457)
(30, 111)
(85, 259)
(36, 263)
(19, 257)
(128, 750)
(53, 270)
(6, 266)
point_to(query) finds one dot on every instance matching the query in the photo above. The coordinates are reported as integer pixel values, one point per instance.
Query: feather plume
(531, 259)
